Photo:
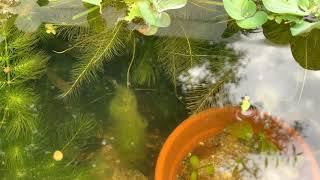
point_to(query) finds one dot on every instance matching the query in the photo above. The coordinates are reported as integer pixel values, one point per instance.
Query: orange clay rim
(189, 123)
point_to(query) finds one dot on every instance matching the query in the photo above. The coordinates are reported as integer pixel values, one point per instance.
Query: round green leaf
(235, 8)
(163, 20)
(255, 21)
(277, 33)
(148, 13)
(284, 7)
(305, 50)
(304, 27)
(249, 8)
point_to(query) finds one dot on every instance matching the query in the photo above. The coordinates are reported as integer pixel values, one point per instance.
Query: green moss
(128, 125)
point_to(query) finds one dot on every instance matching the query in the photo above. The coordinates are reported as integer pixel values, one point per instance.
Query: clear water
(224, 70)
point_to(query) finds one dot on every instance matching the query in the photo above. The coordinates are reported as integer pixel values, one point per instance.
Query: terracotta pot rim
(190, 121)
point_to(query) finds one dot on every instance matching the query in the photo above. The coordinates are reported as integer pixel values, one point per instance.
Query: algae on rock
(128, 126)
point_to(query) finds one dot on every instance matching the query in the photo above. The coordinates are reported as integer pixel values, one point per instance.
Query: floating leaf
(163, 5)
(249, 8)
(305, 50)
(284, 7)
(148, 14)
(255, 21)
(304, 27)
(134, 12)
(304, 4)
(239, 9)
(163, 20)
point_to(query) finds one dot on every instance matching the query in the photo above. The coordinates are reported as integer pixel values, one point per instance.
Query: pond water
(84, 95)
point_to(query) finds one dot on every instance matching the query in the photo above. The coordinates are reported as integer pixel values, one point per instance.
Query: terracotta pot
(209, 123)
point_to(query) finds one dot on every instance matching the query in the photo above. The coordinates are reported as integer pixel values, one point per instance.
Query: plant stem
(7, 58)
(77, 16)
(130, 65)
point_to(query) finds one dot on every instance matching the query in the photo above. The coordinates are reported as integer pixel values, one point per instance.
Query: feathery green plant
(96, 49)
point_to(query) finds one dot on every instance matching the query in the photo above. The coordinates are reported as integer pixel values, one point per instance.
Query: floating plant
(302, 15)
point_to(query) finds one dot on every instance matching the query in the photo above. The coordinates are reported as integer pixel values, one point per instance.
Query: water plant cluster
(302, 15)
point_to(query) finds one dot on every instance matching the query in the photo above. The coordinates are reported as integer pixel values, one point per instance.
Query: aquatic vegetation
(302, 15)
(195, 164)
(152, 12)
(128, 126)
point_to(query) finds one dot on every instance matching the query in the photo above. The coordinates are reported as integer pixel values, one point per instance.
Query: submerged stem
(130, 65)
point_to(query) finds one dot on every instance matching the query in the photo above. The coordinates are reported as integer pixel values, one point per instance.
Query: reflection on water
(278, 84)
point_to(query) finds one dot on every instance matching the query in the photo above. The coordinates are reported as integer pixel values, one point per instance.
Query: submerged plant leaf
(242, 130)
(210, 169)
(194, 162)
(305, 50)
(106, 44)
(266, 145)
(255, 21)
(277, 33)
(194, 175)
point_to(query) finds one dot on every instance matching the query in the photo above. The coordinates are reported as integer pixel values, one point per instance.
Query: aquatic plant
(21, 62)
(302, 15)
(195, 166)
(152, 12)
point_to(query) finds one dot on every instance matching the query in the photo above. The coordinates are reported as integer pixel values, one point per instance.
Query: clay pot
(211, 122)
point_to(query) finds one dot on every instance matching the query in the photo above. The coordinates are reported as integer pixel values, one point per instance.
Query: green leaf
(163, 20)
(239, 9)
(148, 14)
(93, 2)
(134, 12)
(194, 162)
(305, 50)
(255, 21)
(277, 33)
(242, 130)
(266, 145)
(284, 7)
(210, 169)
(163, 5)
(304, 4)
(304, 27)
(194, 175)
(249, 8)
